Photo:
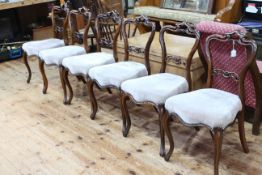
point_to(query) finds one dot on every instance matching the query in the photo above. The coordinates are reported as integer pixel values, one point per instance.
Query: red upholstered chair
(252, 94)
(223, 101)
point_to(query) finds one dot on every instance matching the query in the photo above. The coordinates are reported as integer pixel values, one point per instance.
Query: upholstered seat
(155, 88)
(116, 73)
(55, 56)
(34, 47)
(212, 107)
(176, 15)
(81, 64)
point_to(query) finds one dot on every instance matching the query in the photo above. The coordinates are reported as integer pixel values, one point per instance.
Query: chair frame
(217, 133)
(65, 72)
(140, 20)
(57, 30)
(42, 63)
(187, 29)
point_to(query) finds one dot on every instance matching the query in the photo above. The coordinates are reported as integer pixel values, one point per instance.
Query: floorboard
(39, 135)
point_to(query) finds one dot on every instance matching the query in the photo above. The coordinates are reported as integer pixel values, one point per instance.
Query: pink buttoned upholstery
(221, 51)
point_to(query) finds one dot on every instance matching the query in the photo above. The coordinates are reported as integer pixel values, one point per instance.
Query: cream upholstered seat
(155, 88)
(56, 55)
(34, 47)
(116, 73)
(81, 64)
(212, 107)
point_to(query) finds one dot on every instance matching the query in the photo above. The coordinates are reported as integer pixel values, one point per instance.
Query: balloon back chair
(55, 56)
(253, 95)
(155, 89)
(108, 27)
(112, 75)
(60, 24)
(213, 107)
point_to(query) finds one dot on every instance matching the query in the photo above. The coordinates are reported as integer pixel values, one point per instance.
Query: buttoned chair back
(130, 29)
(229, 58)
(181, 28)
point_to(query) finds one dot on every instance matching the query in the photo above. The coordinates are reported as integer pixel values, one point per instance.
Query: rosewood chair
(60, 24)
(108, 27)
(55, 56)
(253, 95)
(155, 89)
(112, 75)
(211, 107)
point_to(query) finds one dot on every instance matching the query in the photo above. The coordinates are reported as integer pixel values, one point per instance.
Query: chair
(60, 23)
(108, 27)
(112, 75)
(155, 89)
(55, 56)
(253, 95)
(214, 108)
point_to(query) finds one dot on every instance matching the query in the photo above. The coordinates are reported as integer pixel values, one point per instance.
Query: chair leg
(166, 125)
(67, 83)
(257, 121)
(162, 133)
(125, 114)
(93, 100)
(27, 66)
(241, 130)
(42, 70)
(62, 79)
(80, 78)
(218, 137)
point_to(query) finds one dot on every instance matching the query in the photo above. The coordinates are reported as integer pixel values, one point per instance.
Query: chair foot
(93, 100)
(45, 81)
(241, 130)
(218, 138)
(67, 101)
(125, 114)
(25, 60)
(166, 125)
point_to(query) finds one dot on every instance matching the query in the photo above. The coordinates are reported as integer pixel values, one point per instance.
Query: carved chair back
(208, 28)
(227, 70)
(60, 20)
(127, 32)
(179, 28)
(84, 15)
(107, 28)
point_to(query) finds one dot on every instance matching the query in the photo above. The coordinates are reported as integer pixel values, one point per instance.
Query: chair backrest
(183, 28)
(82, 15)
(60, 20)
(127, 32)
(107, 28)
(229, 58)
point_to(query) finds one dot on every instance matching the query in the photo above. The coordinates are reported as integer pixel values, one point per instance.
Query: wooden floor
(40, 135)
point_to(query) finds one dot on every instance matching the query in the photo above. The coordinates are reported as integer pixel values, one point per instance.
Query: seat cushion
(211, 107)
(177, 15)
(116, 73)
(82, 63)
(34, 47)
(155, 88)
(56, 55)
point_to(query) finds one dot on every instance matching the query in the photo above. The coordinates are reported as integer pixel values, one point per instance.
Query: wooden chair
(253, 96)
(155, 89)
(108, 27)
(112, 75)
(214, 108)
(55, 56)
(60, 24)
